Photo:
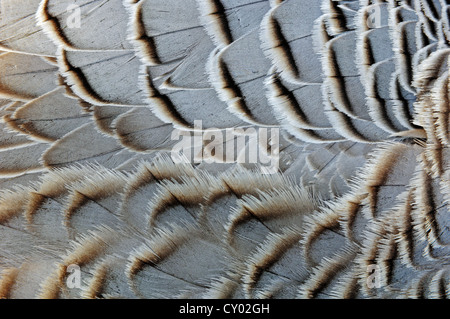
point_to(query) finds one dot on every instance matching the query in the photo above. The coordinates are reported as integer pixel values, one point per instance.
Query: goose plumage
(91, 93)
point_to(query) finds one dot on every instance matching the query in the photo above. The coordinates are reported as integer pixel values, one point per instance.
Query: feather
(224, 149)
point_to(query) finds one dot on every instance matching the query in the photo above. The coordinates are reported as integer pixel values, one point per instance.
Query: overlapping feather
(358, 89)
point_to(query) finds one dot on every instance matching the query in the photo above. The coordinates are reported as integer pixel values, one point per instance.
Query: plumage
(348, 101)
